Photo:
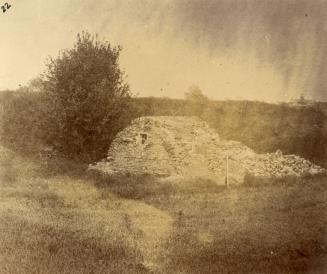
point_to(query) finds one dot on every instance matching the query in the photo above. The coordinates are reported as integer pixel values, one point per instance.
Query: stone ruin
(187, 147)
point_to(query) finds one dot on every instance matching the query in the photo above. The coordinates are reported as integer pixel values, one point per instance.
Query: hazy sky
(255, 49)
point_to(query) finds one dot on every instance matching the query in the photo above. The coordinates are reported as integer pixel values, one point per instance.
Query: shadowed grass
(271, 229)
(146, 186)
(35, 248)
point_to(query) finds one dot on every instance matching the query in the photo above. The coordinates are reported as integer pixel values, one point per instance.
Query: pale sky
(237, 49)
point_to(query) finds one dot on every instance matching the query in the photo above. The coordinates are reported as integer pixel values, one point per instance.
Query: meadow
(60, 219)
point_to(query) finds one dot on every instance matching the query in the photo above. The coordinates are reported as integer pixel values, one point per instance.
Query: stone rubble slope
(188, 147)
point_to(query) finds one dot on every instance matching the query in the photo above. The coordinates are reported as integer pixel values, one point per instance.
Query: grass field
(69, 222)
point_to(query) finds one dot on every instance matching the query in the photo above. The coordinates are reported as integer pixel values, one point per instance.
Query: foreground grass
(63, 223)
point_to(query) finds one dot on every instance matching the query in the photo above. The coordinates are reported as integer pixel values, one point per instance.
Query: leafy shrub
(86, 98)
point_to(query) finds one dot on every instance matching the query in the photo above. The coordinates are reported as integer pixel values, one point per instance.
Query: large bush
(87, 97)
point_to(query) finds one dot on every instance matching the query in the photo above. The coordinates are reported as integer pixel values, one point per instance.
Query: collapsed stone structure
(188, 147)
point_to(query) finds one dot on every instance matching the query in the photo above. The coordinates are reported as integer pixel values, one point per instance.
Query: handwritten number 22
(5, 7)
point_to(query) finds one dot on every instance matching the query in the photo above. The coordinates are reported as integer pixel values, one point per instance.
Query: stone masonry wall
(188, 147)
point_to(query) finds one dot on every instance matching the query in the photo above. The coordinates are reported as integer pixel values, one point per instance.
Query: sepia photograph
(163, 136)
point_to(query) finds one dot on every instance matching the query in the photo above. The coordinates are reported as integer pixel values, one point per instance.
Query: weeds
(45, 249)
(8, 172)
(130, 186)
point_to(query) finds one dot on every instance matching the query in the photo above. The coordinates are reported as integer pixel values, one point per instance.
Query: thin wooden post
(226, 177)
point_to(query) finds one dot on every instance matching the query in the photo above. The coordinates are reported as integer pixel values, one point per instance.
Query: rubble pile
(188, 147)
(279, 165)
